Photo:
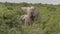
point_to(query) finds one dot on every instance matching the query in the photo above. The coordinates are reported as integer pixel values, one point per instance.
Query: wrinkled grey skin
(26, 19)
(32, 11)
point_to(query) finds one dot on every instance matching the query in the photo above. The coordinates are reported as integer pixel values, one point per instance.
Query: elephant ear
(24, 8)
(35, 11)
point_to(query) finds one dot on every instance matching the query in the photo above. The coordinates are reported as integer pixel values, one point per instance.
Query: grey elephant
(32, 11)
(26, 19)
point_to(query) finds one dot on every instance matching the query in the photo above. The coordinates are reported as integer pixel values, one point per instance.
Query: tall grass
(48, 23)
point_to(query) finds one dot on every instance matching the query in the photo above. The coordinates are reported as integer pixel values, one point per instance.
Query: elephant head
(26, 19)
(32, 12)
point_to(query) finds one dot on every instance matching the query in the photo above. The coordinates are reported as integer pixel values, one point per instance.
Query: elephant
(26, 19)
(32, 11)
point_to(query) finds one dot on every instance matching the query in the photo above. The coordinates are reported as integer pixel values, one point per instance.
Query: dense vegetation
(10, 23)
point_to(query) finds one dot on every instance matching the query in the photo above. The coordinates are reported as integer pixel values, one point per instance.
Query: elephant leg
(35, 18)
(26, 22)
